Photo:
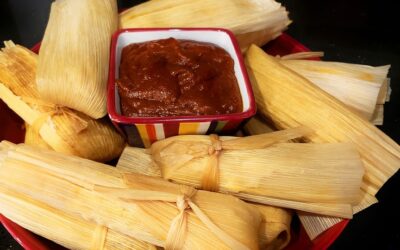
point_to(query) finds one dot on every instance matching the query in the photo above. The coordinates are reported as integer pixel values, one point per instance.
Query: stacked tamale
(61, 128)
(287, 100)
(141, 207)
(252, 21)
(73, 58)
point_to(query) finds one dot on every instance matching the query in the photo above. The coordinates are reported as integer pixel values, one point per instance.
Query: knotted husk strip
(254, 21)
(254, 166)
(250, 175)
(74, 54)
(63, 129)
(356, 85)
(72, 232)
(274, 230)
(138, 206)
(289, 100)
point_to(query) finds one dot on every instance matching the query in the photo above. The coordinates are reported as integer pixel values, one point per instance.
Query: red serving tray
(12, 129)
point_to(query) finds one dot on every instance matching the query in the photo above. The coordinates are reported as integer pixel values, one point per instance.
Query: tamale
(313, 224)
(69, 231)
(138, 206)
(239, 166)
(254, 21)
(355, 85)
(74, 54)
(32, 137)
(335, 123)
(289, 100)
(274, 231)
(63, 129)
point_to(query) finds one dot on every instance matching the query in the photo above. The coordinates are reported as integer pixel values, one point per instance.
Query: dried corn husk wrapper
(69, 231)
(74, 55)
(149, 209)
(32, 137)
(254, 21)
(239, 166)
(357, 86)
(63, 129)
(308, 105)
(313, 224)
(289, 100)
(274, 231)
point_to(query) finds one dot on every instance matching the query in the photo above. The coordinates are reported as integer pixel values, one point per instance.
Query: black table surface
(355, 31)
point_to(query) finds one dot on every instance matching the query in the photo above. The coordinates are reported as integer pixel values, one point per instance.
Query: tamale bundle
(313, 224)
(74, 55)
(69, 231)
(275, 225)
(146, 208)
(322, 178)
(63, 129)
(304, 103)
(289, 100)
(358, 86)
(254, 21)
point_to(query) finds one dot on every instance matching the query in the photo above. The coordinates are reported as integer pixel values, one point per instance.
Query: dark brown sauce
(172, 77)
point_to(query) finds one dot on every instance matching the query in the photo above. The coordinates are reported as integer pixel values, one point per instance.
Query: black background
(357, 31)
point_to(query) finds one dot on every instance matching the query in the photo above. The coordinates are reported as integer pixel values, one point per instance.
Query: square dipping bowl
(142, 131)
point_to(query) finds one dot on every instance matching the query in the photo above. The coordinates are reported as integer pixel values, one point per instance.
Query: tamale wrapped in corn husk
(289, 100)
(313, 224)
(69, 231)
(275, 225)
(239, 166)
(74, 54)
(32, 137)
(146, 208)
(252, 21)
(308, 105)
(358, 86)
(63, 129)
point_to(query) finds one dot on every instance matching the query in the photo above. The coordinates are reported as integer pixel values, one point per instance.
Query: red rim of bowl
(111, 107)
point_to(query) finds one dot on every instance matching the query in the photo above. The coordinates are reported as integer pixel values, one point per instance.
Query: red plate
(12, 130)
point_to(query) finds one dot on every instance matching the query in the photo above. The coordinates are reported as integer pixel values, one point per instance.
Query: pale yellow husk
(284, 178)
(313, 224)
(275, 225)
(357, 86)
(63, 129)
(138, 206)
(289, 100)
(74, 55)
(67, 230)
(254, 21)
(32, 137)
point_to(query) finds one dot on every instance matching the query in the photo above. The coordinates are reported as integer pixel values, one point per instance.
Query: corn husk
(254, 21)
(138, 206)
(33, 138)
(377, 116)
(248, 174)
(357, 86)
(74, 54)
(275, 225)
(67, 230)
(289, 100)
(308, 105)
(63, 129)
(256, 126)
